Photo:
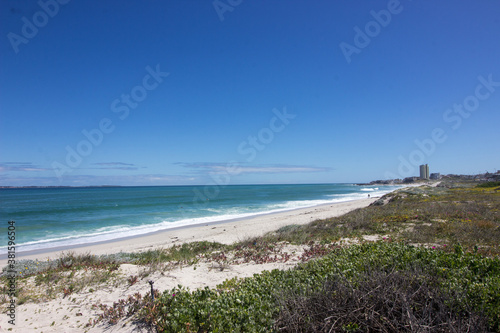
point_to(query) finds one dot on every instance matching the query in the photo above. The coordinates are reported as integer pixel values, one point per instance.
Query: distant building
(424, 171)
(435, 176)
(409, 180)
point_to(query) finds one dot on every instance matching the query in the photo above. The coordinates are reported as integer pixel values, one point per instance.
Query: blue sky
(242, 92)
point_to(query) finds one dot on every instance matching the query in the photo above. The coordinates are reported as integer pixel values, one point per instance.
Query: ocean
(60, 217)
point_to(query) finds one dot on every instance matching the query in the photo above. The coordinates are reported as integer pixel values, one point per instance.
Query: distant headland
(93, 186)
(483, 177)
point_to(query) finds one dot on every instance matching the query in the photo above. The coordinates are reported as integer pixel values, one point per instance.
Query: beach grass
(184, 253)
(39, 281)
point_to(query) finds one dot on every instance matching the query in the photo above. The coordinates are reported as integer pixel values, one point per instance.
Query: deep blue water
(53, 217)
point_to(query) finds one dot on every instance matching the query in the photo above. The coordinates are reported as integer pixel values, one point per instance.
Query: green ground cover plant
(432, 289)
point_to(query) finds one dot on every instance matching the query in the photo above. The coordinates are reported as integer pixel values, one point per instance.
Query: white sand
(70, 314)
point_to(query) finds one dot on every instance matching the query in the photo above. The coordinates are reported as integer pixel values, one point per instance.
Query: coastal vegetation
(418, 259)
(386, 286)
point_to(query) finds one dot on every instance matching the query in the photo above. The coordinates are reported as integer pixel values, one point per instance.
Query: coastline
(227, 232)
(104, 290)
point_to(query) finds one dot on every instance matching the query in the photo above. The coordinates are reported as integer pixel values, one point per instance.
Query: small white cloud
(115, 166)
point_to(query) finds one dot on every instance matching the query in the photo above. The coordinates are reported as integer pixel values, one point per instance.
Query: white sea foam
(369, 189)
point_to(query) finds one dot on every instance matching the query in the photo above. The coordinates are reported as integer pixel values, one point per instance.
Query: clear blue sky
(230, 91)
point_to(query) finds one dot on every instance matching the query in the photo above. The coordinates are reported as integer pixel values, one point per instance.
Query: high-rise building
(424, 171)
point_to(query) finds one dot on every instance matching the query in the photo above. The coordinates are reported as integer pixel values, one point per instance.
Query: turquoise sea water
(54, 217)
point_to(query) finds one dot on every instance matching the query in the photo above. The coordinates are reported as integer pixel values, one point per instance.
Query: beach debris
(132, 280)
(151, 282)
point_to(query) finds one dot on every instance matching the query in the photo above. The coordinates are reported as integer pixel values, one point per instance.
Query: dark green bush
(399, 301)
(489, 184)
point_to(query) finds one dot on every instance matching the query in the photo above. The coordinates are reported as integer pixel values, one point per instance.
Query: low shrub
(399, 301)
(489, 184)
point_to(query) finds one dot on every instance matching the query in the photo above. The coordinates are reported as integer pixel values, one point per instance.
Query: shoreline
(227, 232)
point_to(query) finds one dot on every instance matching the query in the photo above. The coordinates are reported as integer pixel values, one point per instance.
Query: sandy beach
(223, 232)
(70, 314)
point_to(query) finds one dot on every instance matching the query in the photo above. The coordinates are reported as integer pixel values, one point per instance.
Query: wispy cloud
(249, 169)
(20, 166)
(115, 166)
(282, 169)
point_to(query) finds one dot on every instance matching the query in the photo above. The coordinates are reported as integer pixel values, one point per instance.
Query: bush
(400, 301)
(489, 184)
